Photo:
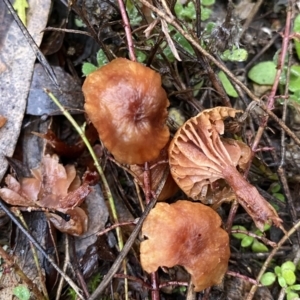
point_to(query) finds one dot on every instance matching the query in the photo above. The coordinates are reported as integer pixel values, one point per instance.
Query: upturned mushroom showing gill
(198, 157)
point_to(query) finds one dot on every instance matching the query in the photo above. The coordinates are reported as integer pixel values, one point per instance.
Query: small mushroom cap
(127, 105)
(187, 234)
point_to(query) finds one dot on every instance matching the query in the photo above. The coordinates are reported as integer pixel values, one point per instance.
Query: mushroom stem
(255, 205)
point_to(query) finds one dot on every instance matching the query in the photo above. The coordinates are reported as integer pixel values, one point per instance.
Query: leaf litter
(77, 206)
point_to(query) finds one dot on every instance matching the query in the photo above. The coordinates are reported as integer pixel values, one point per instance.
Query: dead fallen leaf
(53, 186)
(16, 67)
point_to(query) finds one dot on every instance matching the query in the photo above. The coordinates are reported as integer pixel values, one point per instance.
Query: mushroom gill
(198, 157)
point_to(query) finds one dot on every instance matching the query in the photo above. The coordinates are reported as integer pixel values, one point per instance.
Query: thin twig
(249, 233)
(18, 214)
(114, 268)
(106, 230)
(127, 30)
(41, 249)
(251, 15)
(245, 278)
(66, 262)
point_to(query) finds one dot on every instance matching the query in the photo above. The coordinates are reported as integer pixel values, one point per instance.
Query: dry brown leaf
(187, 234)
(76, 225)
(198, 157)
(52, 186)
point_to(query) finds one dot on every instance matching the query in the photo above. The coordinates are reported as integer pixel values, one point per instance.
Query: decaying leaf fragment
(187, 234)
(52, 186)
(198, 157)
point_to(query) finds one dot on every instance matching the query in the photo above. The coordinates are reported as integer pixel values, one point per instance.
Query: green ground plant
(286, 278)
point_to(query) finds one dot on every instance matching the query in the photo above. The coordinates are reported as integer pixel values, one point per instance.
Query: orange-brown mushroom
(186, 234)
(198, 157)
(127, 105)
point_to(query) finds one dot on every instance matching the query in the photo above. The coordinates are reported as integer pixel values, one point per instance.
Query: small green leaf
(247, 241)
(101, 58)
(268, 279)
(133, 14)
(294, 84)
(292, 296)
(22, 292)
(295, 287)
(267, 227)
(237, 55)
(258, 232)
(185, 12)
(296, 96)
(275, 187)
(209, 27)
(289, 276)
(263, 73)
(282, 281)
(207, 2)
(279, 196)
(180, 39)
(205, 13)
(288, 265)
(79, 23)
(20, 7)
(229, 89)
(140, 56)
(258, 247)
(88, 68)
(239, 236)
(277, 270)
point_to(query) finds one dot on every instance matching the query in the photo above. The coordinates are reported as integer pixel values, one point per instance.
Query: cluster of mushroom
(127, 105)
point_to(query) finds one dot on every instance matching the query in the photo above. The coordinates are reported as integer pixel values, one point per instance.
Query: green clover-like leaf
(268, 279)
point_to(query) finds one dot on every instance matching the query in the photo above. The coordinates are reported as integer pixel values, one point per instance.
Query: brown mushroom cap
(127, 105)
(186, 234)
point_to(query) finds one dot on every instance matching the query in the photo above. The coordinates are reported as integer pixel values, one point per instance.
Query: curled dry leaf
(127, 105)
(187, 234)
(75, 225)
(198, 157)
(157, 175)
(52, 186)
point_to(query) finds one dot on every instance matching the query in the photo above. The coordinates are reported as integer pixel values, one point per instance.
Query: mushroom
(126, 103)
(198, 157)
(187, 234)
